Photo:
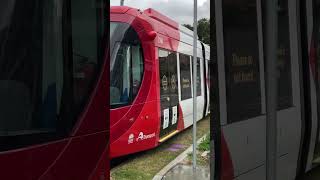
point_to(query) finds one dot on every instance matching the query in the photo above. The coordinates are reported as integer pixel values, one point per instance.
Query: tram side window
(126, 64)
(120, 88)
(185, 76)
(126, 75)
(198, 76)
(137, 69)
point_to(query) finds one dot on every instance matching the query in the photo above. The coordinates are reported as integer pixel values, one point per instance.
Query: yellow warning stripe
(168, 136)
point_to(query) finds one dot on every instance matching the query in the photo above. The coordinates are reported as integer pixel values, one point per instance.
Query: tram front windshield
(50, 54)
(126, 64)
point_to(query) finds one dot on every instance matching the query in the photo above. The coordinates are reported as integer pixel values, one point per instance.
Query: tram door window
(243, 88)
(284, 59)
(285, 99)
(169, 97)
(185, 76)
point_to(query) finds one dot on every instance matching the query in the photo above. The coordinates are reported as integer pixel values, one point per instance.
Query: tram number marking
(174, 115)
(165, 118)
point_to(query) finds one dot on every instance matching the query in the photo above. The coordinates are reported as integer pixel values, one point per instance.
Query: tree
(203, 30)
(188, 26)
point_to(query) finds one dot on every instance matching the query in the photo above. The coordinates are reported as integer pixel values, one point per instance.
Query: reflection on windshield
(113, 27)
(120, 84)
(6, 8)
(30, 60)
(43, 92)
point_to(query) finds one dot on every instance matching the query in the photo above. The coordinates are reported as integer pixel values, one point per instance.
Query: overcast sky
(179, 10)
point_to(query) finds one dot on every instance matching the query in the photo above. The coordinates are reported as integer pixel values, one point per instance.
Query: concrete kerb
(177, 160)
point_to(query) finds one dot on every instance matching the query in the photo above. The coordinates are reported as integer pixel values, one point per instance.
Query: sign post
(195, 44)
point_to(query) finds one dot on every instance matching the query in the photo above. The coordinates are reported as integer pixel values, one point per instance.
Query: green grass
(205, 144)
(146, 165)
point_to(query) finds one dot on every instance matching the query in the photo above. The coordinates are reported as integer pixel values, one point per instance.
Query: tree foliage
(203, 30)
(188, 26)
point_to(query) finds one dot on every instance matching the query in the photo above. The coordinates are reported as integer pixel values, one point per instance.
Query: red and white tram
(151, 79)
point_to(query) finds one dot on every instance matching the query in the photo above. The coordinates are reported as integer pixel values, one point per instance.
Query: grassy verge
(202, 147)
(146, 165)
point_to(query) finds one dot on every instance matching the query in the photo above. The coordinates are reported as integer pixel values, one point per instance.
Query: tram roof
(154, 17)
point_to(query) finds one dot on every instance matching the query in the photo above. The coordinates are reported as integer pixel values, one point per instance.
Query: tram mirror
(152, 35)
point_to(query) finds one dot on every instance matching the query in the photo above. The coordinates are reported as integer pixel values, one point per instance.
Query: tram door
(169, 99)
(241, 69)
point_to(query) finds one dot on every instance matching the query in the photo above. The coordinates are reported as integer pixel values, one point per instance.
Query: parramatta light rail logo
(140, 137)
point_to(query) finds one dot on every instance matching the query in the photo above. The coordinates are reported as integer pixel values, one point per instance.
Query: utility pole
(271, 91)
(195, 44)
